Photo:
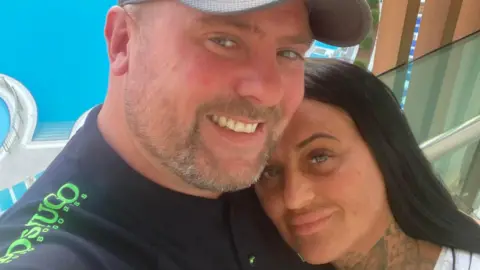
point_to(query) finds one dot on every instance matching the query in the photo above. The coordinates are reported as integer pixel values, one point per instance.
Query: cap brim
(230, 6)
(341, 23)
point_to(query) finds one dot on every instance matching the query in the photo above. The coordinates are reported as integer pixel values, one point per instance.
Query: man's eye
(292, 55)
(224, 42)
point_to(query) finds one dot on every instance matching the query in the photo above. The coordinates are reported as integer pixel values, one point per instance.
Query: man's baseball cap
(340, 23)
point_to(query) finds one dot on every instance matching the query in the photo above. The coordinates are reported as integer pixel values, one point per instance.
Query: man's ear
(117, 36)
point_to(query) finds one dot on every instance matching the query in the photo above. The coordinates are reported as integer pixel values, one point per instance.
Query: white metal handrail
(462, 135)
(16, 118)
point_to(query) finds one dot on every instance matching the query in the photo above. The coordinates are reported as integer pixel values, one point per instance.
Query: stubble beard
(184, 154)
(192, 162)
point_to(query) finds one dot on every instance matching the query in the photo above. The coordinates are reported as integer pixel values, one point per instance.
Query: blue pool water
(57, 50)
(4, 120)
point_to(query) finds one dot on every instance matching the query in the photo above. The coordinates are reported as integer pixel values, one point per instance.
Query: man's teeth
(236, 126)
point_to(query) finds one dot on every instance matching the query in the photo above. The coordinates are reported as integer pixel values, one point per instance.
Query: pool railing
(16, 118)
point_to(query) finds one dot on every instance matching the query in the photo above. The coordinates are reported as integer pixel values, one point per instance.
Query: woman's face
(322, 187)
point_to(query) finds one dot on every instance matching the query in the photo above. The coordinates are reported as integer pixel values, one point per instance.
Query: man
(198, 93)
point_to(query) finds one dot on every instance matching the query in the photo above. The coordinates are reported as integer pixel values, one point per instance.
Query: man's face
(207, 96)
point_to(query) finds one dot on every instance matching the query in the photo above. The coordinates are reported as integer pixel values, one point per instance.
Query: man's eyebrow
(303, 39)
(232, 22)
(315, 136)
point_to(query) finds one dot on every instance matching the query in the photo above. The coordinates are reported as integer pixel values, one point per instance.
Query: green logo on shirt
(47, 217)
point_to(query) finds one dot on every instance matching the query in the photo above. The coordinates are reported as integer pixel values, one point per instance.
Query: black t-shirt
(90, 210)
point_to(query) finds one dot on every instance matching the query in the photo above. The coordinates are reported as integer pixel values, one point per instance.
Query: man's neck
(394, 251)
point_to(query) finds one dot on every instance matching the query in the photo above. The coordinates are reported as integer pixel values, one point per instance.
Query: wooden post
(395, 33)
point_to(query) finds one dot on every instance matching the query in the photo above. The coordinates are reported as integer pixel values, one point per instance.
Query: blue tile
(5, 200)
(38, 175)
(19, 189)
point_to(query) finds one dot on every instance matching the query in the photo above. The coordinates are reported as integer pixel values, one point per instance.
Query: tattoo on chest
(394, 251)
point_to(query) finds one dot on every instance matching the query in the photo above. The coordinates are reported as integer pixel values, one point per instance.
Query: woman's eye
(224, 42)
(292, 55)
(271, 177)
(271, 172)
(317, 159)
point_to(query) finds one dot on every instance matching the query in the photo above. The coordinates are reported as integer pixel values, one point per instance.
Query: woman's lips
(311, 222)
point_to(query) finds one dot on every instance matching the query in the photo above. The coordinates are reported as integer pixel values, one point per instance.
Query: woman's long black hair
(420, 203)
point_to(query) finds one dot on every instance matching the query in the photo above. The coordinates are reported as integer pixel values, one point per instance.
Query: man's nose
(297, 193)
(261, 83)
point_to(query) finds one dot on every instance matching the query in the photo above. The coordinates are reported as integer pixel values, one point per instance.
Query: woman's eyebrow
(315, 136)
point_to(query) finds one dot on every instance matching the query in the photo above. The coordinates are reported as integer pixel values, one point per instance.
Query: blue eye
(224, 42)
(290, 54)
(317, 159)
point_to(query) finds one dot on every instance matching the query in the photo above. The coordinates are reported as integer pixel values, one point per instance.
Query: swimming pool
(4, 121)
(56, 49)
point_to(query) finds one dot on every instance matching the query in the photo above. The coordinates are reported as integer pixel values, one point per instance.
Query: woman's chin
(315, 260)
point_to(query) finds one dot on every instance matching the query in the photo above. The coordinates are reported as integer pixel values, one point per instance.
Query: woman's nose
(298, 192)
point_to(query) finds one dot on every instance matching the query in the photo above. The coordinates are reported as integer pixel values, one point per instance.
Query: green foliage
(373, 3)
(375, 16)
(360, 64)
(367, 43)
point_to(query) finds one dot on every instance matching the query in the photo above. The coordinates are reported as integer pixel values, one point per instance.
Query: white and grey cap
(340, 23)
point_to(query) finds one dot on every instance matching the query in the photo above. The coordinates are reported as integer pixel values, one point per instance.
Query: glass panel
(460, 171)
(440, 90)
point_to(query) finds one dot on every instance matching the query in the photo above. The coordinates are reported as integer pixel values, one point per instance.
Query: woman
(349, 185)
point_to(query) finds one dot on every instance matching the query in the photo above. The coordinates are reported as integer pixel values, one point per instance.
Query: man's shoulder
(49, 227)
(37, 245)
(52, 256)
(41, 231)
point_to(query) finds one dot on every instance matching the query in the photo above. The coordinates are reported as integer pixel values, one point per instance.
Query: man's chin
(232, 179)
(228, 173)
